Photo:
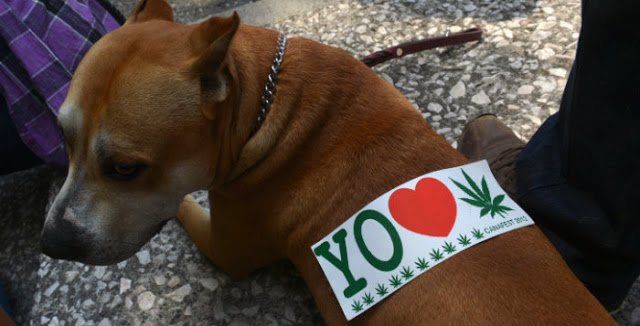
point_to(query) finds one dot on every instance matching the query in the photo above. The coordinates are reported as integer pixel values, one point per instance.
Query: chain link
(272, 79)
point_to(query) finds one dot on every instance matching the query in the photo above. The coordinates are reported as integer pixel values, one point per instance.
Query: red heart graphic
(429, 210)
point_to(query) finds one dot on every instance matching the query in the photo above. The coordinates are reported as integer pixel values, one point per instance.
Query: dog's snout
(62, 241)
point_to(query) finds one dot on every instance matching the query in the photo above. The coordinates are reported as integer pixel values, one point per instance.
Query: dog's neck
(239, 145)
(298, 146)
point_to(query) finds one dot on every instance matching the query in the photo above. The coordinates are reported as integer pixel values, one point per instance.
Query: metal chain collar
(272, 79)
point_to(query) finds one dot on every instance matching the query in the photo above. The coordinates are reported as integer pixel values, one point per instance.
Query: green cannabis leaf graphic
(477, 234)
(422, 264)
(406, 273)
(357, 306)
(381, 290)
(482, 197)
(367, 299)
(463, 240)
(395, 281)
(436, 255)
(449, 248)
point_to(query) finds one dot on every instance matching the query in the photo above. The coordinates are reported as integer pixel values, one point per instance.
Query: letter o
(396, 257)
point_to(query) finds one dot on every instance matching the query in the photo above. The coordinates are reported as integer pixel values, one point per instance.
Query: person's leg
(577, 176)
(15, 154)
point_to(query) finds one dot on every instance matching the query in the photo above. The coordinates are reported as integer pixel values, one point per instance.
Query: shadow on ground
(23, 200)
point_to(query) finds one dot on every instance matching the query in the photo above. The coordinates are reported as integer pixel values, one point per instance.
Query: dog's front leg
(196, 220)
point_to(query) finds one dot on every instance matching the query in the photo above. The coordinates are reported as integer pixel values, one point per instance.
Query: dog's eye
(125, 171)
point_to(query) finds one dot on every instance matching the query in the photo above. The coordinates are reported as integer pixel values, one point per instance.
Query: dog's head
(142, 127)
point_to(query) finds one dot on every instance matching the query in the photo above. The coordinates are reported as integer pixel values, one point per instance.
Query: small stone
(434, 107)
(159, 259)
(188, 311)
(250, 312)
(64, 289)
(558, 72)
(179, 294)
(366, 39)
(115, 302)
(122, 264)
(209, 283)
(218, 309)
(545, 86)
(54, 321)
(70, 275)
(546, 25)
(125, 285)
(535, 110)
(256, 289)
(481, 98)
(104, 322)
(101, 285)
(508, 33)
(86, 304)
(361, 29)
(146, 300)
(544, 54)
(458, 90)
(106, 297)
(160, 279)
(525, 89)
(173, 281)
(534, 119)
(516, 64)
(99, 271)
(44, 319)
(143, 257)
(128, 303)
(443, 131)
(49, 291)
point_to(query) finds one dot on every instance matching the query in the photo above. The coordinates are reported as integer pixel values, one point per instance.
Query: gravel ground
(186, 11)
(517, 72)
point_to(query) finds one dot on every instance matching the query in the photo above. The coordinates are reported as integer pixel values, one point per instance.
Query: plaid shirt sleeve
(41, 44)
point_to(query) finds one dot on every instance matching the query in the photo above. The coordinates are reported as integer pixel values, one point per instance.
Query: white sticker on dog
(411, 229)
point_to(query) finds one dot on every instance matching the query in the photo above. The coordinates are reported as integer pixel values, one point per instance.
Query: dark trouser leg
(14, 154)
(579, 177)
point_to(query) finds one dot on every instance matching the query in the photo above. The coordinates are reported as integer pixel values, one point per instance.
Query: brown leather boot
(485, 137)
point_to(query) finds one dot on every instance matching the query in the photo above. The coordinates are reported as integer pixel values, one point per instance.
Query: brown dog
(157, 110)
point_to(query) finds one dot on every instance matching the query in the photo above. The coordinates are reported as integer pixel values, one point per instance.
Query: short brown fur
(337, 136)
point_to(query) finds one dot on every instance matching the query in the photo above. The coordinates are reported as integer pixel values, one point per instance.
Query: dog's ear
(211, 41)
(149, 10)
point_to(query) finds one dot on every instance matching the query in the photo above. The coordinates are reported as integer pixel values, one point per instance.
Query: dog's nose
(61, 242)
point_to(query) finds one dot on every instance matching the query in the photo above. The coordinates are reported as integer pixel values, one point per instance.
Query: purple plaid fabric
(41, 44)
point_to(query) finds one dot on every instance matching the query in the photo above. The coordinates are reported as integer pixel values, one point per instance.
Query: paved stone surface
(518, 72)
(186, 11)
